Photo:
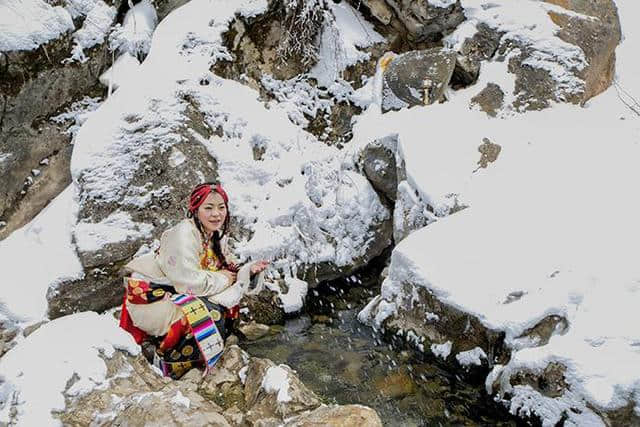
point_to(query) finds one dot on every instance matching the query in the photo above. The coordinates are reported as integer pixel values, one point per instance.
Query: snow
(94, 30)
(302, 195)
(442, 3)
(180, 399)
(134, 35)
(123, 68)
(26, 24)
(117, 227)
(293, 300)
(37, 371)
(553, 220)
(78, 112)
(471, 357)
(41, 254)
(345, 32)
(442, 350)
(276, 380)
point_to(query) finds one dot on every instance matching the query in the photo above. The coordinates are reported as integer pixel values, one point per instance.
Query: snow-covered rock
(557, 51)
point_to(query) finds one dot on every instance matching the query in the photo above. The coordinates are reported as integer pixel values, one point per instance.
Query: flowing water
(345, 362)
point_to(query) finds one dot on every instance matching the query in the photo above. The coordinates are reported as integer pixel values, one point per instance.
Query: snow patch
(276, 380)
(441, 350)
(117, 227)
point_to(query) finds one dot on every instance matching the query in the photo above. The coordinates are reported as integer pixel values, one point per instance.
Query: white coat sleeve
(178, 259)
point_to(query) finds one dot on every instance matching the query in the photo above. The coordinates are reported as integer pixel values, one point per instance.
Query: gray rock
(33, 86)
(426, 22)
(380, 10)
(480, 47)
(410, 212)
(378, 161)
(417, 78)
(489, 152)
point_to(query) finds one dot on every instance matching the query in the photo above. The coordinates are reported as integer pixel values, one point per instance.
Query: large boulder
(34, 85)
(416, 78)
(569, 56)
(378, 162)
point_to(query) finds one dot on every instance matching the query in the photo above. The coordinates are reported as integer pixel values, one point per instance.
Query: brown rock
(253, 331)
(338, 416)
(397, 384)
(490, 99)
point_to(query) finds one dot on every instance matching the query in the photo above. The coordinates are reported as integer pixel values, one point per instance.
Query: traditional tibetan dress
(175, 300)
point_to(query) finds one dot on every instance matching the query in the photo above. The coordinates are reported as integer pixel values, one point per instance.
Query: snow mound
(36, 379)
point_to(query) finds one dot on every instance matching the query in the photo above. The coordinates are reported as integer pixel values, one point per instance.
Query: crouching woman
(183, 297)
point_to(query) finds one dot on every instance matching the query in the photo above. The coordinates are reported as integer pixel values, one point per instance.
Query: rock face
(597, 38)
(480, 47)
(33, 86)
(240, 391)
(416, 78)
(420, 20)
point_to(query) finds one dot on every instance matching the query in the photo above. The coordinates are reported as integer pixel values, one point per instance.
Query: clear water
(345, 362)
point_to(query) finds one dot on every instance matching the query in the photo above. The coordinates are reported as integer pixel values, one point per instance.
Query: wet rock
(339, 416)
(263, 308)
(490, 99)
(416, 78)
(423, 320)
(395, 385)
(378, 161)
(253, 331)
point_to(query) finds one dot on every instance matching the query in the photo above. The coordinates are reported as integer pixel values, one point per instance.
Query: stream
(344, 361)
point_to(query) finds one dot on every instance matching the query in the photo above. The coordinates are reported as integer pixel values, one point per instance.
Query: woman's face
(212, 213)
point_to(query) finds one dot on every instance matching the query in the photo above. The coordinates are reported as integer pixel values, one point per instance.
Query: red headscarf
(200, 193)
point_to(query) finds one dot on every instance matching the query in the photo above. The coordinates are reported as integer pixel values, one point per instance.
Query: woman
(182, 294)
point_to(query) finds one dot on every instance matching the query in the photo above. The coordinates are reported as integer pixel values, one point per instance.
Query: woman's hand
(231, 276)
(259, 266)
